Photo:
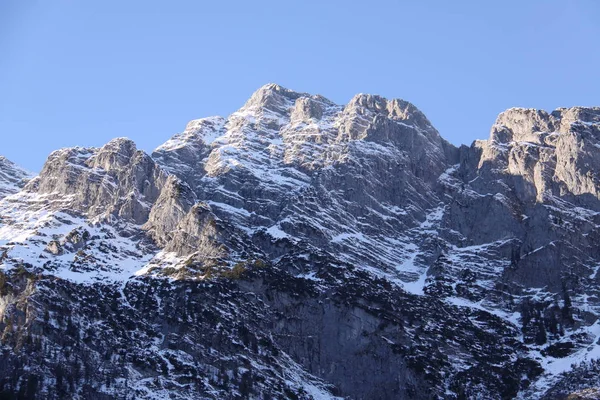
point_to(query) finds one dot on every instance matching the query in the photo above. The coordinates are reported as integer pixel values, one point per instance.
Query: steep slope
(303, 249)
(351, 180)
(525, 201)
(12, 177)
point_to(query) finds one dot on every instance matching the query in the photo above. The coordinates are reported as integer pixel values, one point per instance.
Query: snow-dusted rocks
(116, 180)
(12, 177)
(183, 153)
(555, 154)
(297, 166)
(303, 249)
(175, 201)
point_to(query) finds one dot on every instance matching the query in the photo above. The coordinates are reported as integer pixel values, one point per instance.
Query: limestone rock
(302, 248)
(12, 177)
(116, 180)
(54, 248)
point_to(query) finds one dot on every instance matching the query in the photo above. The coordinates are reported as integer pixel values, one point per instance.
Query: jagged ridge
(302, 198)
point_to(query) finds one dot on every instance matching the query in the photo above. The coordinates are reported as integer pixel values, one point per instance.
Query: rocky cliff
(12, 177)
(302, 249)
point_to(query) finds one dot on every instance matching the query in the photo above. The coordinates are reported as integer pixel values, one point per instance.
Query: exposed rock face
(116, 180)
(175, 201)
(54, 247)
(183, 153)
(287, 159)
(12, 177)
(303, 249)
(555, 154)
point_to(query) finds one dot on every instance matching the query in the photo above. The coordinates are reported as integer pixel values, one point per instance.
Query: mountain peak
(277, 99)
(529, 124)
(395, 109)
(120, 144)
(271, 97)
(296, 212)
(272, 87)
(12, 177)
(521, 124)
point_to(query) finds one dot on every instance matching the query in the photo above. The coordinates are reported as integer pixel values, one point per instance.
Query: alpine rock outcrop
(306, 250)
(12, 177)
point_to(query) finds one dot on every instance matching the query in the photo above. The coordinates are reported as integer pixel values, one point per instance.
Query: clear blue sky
(83, 72)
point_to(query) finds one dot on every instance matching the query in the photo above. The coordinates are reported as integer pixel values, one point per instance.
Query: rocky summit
(300, 249)
(12, 177)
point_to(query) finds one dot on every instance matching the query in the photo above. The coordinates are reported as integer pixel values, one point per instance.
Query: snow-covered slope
(304, 249)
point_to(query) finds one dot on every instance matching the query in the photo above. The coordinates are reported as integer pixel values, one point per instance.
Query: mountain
(12, 177)
(302, 249)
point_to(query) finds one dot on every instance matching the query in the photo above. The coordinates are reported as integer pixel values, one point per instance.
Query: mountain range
(300, 249)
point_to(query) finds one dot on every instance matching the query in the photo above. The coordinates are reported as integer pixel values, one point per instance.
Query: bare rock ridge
(12, 177)
(557, 153)
(303, 249)
(116, 180)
